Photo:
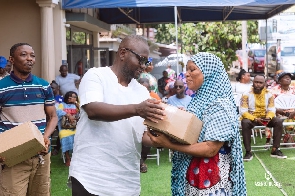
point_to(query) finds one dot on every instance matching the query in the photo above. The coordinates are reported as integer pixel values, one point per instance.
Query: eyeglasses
(178, 86)
(142, 60)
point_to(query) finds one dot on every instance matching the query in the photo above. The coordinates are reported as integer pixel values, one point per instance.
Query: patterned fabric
(66, 135)
(210, 178)
(152, 80)
(171, 73)
(257, 105)
(277, 90)
(215, 106)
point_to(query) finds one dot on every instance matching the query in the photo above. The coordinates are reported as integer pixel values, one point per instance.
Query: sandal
(143, 168)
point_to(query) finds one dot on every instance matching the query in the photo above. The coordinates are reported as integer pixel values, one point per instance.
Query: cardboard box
(21, 143)
(180, 125)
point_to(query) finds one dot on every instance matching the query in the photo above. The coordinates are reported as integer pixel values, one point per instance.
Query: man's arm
(149, 109)
(51, 124)
(271, 110)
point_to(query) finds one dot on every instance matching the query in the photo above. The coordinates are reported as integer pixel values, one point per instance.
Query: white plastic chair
(155, 156)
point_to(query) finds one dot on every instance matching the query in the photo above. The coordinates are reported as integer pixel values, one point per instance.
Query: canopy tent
(155, 11)
(168, 11)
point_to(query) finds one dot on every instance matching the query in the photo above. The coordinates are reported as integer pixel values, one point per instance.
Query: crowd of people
(99, 119)
(256, 106)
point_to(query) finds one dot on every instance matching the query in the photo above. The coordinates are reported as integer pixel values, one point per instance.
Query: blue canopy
(162, 11)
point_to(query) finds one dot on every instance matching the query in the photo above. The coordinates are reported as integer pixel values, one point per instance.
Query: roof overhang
(155, 11)
(86, 21)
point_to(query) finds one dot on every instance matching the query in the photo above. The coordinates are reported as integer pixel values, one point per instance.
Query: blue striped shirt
(23, 101)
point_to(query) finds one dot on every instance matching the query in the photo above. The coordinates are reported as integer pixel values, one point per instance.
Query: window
(288, 51)
(259, 53)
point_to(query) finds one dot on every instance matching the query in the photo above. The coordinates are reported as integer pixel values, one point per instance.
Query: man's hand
(47, 144)
(258, 120)
(151, 110)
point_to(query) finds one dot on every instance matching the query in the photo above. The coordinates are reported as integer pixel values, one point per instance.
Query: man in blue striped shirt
(25, 97)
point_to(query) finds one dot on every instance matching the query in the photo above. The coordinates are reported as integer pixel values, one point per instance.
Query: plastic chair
(155, 156)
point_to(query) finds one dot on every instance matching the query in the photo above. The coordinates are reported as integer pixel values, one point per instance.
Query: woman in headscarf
(213, 165)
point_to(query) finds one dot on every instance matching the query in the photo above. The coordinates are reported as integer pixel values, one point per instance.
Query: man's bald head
(132, 40)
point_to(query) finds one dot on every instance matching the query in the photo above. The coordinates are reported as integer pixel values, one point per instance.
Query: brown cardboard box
(21, 143)
(180, 125)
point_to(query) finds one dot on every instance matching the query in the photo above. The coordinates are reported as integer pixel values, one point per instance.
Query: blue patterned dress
(214, 104)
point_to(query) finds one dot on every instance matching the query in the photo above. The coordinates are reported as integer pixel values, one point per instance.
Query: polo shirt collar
(18, 80)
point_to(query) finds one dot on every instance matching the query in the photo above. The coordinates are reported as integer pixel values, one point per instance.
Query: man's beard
(258, 90)
(127, 73)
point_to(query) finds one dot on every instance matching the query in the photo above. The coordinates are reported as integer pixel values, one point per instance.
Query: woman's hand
(292, 115)
(280, 111)
(72, 119)
(159, 139)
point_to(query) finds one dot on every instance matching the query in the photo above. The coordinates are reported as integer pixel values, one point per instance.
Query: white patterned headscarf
(214, 96)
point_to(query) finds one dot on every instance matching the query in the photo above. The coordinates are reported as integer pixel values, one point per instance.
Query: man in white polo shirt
(110, 131)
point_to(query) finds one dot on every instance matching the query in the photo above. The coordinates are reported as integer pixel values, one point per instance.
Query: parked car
(256, 60)
(286, 61)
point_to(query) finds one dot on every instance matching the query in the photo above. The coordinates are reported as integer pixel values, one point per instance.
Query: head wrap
(214, 96)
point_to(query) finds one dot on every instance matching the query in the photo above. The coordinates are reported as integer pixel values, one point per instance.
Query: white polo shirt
(107, 154)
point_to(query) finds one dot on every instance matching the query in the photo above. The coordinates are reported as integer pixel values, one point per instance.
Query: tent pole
(266, 53)
(175, 16)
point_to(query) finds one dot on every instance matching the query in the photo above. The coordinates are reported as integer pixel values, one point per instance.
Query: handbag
(67, 124)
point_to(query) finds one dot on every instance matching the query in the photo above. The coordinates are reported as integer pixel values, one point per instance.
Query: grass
(156, 182)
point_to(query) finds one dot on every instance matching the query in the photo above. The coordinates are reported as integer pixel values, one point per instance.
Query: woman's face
(73, 98)
(194, 76)
(246, 77)
(285, 80)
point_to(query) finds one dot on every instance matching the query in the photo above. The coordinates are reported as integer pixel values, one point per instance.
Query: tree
(220, 38)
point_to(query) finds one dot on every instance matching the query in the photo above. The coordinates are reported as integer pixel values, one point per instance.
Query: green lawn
(156, 182)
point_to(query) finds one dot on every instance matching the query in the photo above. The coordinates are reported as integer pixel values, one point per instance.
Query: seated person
(242, 85)
(58, 99)
(283, 87)
(179, 100)
(145, 82)
(171, 92)
(145, 150)
(257, 107)
(70, 109)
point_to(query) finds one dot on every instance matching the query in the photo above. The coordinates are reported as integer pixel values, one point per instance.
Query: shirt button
(26, 95)
(25, 88)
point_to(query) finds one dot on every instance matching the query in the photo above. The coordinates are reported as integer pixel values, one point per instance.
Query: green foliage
(220, 38)
(79, 37)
